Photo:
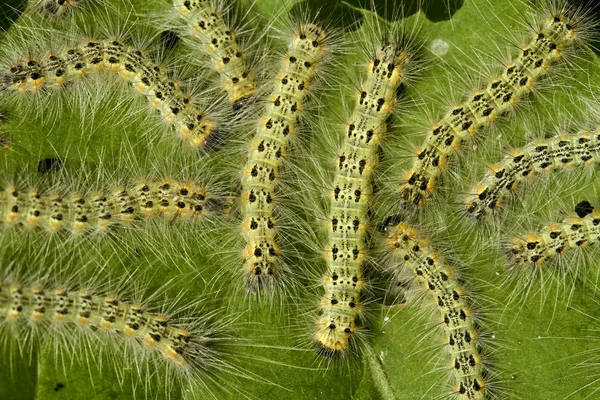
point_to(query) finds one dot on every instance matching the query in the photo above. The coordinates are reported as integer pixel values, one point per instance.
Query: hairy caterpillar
(350, 196)
(412, 257)
(555, 239)
(86, 58)
(562, 28)
(206, 23)
(183, 348)
(562, 152)
(98, 212)
(268, 149)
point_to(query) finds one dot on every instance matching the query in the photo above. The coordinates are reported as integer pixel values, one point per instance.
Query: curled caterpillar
(411, 254)
(268, 150)
(72, 63)
(350, 197)
(559, 32)
(557, 238)
(100, 212)
(206, 23)
(560, 153)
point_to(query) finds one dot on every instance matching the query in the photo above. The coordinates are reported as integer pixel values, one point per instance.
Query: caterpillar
(410, 253)
(563, 27)
(99, 212)
(72, 63)
(206, 23)
(184, 351)
(268, 149)
(556, 239)
(350, 195)
(559, 153)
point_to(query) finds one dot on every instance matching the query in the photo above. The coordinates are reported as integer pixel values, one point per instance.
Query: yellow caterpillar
(559, 153)
(206, 23)
(350, 195)
(557, 238)
(548, 46)
(99, 212)
(267, 151)
(184, 352)
(411, 254)
(147, 78)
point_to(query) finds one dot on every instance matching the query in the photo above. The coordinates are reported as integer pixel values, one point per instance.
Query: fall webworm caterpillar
(350, 194)
(556, 239)
(411, 258)
(548, 155)
(562, 28)
(206, 22)
(124, 193)
(169, 344)
(99, 212)
(308, 47)
(87, 58)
